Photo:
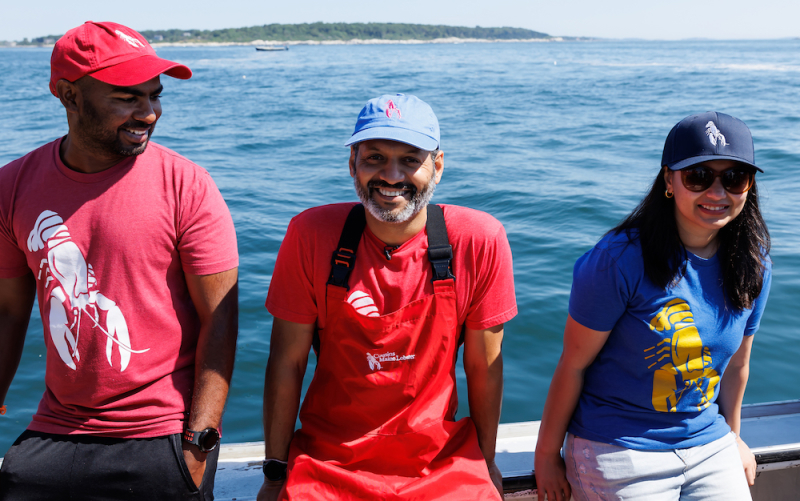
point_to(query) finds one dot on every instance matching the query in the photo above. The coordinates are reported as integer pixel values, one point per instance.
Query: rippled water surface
(557, 140)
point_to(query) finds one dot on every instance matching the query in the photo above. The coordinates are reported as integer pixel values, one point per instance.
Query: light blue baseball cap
(399, 117)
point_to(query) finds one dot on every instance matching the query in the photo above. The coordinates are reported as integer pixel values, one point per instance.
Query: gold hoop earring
(668, 194)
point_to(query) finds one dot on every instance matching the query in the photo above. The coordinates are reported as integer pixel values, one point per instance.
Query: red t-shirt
(109, 252)
(482, 266)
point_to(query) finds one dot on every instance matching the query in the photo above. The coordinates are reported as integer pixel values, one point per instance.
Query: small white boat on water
(772, 430)
(272, 48)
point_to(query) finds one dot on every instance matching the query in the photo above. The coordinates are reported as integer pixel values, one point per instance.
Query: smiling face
(700, 215)
(116, 121)
(394, 180)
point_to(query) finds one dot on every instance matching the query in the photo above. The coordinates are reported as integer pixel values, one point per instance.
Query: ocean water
(559, 141)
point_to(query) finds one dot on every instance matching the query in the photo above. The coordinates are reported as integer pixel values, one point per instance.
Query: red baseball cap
(111, 53)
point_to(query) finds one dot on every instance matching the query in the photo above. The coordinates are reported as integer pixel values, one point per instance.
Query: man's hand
(551, 478)
(270, 490)
(496, 476)
(195, 461)
(748, 461)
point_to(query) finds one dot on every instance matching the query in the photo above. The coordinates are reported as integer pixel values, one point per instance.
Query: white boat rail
(772, 430)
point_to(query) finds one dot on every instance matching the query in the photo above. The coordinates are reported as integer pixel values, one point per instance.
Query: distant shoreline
(376, 41)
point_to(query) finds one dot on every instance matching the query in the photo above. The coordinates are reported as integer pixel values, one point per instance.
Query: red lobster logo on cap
(392, 109)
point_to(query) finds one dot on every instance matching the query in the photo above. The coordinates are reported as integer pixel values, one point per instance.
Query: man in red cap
(132, 253)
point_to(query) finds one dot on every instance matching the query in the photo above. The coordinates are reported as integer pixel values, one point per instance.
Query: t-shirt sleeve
(599, 293)
(494, 301)
(760, 303)
(291, 290)
(12, 260)
(13, 263)
(206, 236)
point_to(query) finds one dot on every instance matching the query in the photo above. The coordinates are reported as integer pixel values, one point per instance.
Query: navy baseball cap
(708, 136)
(398, 117)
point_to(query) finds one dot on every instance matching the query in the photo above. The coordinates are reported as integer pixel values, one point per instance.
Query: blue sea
(558, 141)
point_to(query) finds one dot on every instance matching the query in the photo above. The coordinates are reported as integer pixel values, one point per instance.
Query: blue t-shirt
(654, 383)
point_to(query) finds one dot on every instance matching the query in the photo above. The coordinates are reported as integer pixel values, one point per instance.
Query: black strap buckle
(341, 265)
(440, 252)
(344, 257)
(440, 258)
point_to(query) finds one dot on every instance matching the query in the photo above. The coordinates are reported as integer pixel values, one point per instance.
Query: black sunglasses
(735, 180)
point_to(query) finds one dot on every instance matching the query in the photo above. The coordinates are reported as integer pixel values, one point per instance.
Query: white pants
(710, 472)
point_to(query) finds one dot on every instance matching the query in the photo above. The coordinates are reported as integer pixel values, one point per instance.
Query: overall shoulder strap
(440, 252)
(344, 257)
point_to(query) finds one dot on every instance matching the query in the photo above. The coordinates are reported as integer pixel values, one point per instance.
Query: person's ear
(438, 166)
(669, 174)
(68, 94)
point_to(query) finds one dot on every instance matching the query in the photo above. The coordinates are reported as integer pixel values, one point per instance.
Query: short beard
(104, 141)
(419, 200)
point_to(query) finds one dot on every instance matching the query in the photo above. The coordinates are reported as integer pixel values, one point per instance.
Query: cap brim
(407, 136)
(688, 162)
(141, 70)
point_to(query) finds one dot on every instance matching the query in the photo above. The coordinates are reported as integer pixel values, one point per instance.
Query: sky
(646, 19)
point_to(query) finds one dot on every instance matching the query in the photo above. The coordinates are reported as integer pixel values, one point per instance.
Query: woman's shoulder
(615, 255)
(621, 246)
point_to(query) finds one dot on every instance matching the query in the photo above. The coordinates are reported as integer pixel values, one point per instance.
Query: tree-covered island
(327, 32)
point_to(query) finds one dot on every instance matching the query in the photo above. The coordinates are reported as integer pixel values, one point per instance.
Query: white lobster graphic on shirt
(74, 299)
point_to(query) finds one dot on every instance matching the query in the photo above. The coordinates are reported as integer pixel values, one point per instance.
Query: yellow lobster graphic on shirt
(687, 363)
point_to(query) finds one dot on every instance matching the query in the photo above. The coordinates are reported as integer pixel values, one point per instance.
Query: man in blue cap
(385, 292)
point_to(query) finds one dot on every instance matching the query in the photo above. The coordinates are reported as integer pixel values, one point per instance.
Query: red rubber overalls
(378, 418)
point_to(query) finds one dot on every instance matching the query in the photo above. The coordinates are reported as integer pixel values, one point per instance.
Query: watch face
(209, 439)
(274, 470)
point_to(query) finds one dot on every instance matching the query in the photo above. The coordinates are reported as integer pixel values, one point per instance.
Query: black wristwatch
(206, 440)
(274, 469)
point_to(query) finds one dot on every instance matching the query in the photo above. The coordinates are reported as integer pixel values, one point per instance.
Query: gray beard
(418, 201)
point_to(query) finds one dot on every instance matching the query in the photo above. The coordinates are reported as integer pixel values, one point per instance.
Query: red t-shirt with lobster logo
(109, 252)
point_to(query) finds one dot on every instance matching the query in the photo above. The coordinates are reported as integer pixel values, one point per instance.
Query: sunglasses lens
(697, 178)
(737, 180)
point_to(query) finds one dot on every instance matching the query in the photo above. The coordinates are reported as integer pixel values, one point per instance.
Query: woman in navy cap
(657, 344)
